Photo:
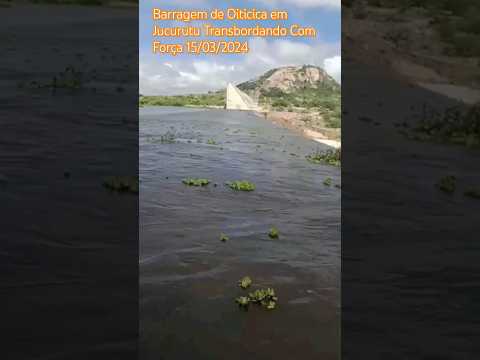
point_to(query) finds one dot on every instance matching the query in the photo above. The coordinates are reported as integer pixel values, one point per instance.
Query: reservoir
(188, 277)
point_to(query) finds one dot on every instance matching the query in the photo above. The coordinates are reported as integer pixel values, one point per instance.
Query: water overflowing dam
(238, 100)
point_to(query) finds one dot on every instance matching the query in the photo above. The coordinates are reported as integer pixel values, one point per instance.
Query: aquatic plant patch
(211, 142)
(70, 78)
(245, 282)
(167, 138)
(243, 301)
(264, 297)
(273, 233)
(447, 184)
(122, 183)
(328, 157)
(241, 185)
(327, 182)
(196, 182)
(223, 237)
(455, 125)
(473, 193)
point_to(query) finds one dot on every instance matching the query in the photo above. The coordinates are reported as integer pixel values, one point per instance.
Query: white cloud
(189, 74)
(333, 66)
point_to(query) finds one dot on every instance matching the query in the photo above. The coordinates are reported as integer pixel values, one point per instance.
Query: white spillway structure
(238, 100)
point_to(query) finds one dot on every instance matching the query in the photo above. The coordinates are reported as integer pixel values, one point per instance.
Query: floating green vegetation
(327, 182)
(245, 282)
(211, 142)
(447, 184)
(223, 237)
(273, 233)
(264, 297)
(241, 185)
(243, 301)
(70, 78)
(473, 193)
(329, 157)
(167, 138)
(122, 183)
(196, 182)
(455, 125)
(271, 305)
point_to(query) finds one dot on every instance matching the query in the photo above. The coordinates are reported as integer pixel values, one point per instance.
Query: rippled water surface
(188, 277)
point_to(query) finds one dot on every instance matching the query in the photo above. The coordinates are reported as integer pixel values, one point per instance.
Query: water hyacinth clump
(273, 233)
(241, 185)
(456, 125)
(211, 142)
(223, 237)
(447, 184)
(328, 157)
(70, 78)
(327, 182)
(245, 282)
(196, 182)
(122, 183)
(167, 138)
(243, 301)
(264, 297)
(473, 193)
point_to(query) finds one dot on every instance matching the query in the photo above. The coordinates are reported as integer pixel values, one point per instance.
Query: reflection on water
(188, 277)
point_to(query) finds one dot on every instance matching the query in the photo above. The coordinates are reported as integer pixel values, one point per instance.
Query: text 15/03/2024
(201, 47)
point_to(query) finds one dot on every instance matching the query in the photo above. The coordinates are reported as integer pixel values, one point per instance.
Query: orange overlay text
(203, 37)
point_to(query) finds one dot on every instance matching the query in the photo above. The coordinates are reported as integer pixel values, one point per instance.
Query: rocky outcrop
(290, 78)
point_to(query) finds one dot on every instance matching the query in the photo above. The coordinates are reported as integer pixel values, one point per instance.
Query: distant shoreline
(328, 136)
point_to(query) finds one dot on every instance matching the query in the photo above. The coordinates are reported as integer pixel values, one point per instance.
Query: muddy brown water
(188, 277)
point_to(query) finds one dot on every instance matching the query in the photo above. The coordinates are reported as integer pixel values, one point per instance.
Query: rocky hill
(306, 90)
(290, 79)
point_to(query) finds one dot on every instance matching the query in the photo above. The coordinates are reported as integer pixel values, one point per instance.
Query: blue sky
(186, 73)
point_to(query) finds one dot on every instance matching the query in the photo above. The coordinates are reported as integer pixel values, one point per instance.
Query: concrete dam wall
(238, 100)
